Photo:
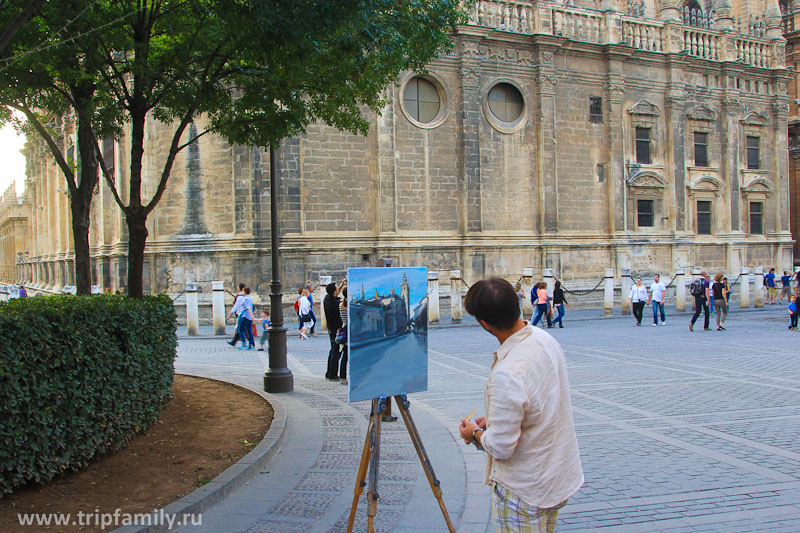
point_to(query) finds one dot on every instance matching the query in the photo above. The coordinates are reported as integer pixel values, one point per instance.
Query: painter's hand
(481, 422)
(466, 429)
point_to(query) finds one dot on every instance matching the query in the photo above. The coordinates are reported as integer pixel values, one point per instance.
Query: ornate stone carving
(702, 112)
(754, 118)
(644, 108)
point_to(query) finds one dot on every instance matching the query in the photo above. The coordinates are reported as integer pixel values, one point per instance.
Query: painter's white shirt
(530, 440)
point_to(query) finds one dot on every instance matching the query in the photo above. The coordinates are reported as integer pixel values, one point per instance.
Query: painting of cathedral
(387, 331)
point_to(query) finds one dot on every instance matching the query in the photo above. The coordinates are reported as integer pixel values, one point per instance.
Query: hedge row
(79, 376)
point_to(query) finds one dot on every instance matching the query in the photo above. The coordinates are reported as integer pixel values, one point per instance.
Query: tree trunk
(137, 238)
(81, 202)
(80, 235)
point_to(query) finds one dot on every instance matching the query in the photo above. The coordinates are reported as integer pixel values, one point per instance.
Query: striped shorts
(512, 515)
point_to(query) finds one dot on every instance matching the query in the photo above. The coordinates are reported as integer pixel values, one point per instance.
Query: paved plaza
(678, 431)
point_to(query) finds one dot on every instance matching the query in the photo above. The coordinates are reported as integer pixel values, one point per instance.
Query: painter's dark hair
(330, 288)
(494, 301)
(241, 286)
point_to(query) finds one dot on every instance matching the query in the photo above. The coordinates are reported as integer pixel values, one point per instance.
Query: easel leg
(362, 466)
(402, 405)
(374, 462)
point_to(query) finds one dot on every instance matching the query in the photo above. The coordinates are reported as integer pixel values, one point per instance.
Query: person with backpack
(699, 289)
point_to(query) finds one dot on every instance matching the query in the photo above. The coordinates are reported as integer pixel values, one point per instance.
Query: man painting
(533, 464)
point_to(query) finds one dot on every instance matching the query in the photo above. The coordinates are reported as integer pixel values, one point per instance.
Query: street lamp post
(278, 377)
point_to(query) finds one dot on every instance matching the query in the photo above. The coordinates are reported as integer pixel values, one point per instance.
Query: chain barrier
(175, 299)
(581, 292)
(668, 285)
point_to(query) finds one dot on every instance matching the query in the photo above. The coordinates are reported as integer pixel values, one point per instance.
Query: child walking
(266, 323)
(793, 312)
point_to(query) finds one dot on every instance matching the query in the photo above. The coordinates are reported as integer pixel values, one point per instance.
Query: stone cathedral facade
(593, 134)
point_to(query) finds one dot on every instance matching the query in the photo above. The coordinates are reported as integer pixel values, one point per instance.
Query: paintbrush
(469, 416)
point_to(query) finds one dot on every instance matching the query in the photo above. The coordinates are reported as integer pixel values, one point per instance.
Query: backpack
(696, 288)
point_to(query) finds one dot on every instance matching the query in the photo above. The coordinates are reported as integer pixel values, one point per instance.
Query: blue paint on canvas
(387, 331)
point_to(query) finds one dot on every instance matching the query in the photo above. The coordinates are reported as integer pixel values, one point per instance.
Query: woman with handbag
(343, 336)
(333, 320)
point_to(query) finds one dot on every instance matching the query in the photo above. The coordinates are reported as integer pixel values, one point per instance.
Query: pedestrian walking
(333, 321)
(304, 309)
(720, 300)
(235, 338)
(772, 289)
(310, 289)
(265, 324)
(792, 312)
(559, 301)
(637, 298)
(658, 295)
(22, 292)
(243, 309)
(786, 289)
(520, 293)
(533, 462)
(699, 288)
(542, 305)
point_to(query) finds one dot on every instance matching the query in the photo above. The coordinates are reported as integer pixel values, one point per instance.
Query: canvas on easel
(387, 331)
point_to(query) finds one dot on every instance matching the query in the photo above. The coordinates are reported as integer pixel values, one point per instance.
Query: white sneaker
(303, 335)
(654, 325)
(663, 322)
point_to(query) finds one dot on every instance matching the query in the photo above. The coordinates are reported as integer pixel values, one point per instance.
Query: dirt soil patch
(205, 428)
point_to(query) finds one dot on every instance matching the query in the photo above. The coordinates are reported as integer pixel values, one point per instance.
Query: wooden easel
(370, 458)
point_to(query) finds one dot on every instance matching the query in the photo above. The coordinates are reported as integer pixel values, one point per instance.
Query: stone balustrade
(612, 27)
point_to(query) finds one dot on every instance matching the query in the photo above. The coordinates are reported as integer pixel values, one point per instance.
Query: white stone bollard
(455, 296)
(433, 297)
(218, 307)
(527, 286)
(608, 293)
(744, 288)
(680, 290)
(626, 290)
(695, 274)
(192, 320)
(758, 290)
(320, 298)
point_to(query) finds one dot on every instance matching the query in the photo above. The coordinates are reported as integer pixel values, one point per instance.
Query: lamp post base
(278, 381)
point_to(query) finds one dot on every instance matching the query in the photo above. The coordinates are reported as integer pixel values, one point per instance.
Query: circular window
(506, 103)
(421, 100)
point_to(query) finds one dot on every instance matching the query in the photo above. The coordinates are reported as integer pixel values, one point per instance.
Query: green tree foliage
(257, 71)
(42, 79)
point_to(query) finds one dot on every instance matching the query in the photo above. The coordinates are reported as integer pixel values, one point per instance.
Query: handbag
(341, 336)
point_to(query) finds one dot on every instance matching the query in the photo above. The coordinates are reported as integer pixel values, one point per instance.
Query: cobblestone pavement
(678, 430)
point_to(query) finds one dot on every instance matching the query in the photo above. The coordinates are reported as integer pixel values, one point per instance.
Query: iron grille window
(753, 155)
(642, 145)
(700, 149)
(595, 109)
(703, 217)
(644, 211)
(757, 218)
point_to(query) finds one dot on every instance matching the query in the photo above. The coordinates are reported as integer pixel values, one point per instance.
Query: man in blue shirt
(772, 289)
(786, 280)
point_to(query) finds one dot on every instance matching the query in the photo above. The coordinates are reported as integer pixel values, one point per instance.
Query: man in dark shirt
(786, 290)
(701, 303)
(333, 318)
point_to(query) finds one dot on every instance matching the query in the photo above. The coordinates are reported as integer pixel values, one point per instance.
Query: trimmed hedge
(79, 376)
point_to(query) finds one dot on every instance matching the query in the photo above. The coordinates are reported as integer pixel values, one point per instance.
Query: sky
(12, 162)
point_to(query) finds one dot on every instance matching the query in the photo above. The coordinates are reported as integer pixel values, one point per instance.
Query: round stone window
(421, 100)
(506, 103)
